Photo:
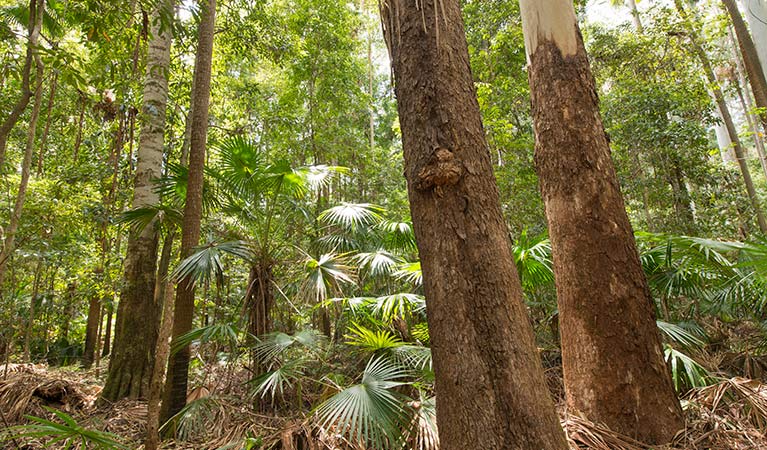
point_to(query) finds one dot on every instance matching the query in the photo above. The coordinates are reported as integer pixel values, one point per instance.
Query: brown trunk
(176, 380)
(91, 331)
(751, 62)
(139, 312)
(614, 369)
(726, 117)
(34, 28)
(489, 379)
(259, 300)
(47, 128)
(155, 391)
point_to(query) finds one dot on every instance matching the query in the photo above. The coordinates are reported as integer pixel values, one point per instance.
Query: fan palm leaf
(370, 413)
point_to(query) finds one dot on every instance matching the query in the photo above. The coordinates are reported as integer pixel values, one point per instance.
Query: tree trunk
(35, 26)
(32, 310)
(489, 379)
(47, 128)
(726, 116)
(26, 166)
(107, 332)
(756, 76)
(259, 300)
(614, 369)
(139, 313)
(163, 349)
(756, 16)
(91, 331)
(635, 16)
(176, 380)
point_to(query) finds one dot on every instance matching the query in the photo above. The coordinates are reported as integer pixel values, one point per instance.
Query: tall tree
(613, 362)
(756, 76)
(26, 165)
(756, 16)
(177, 377)
(492, 393)
(138, 313)
(724, 110)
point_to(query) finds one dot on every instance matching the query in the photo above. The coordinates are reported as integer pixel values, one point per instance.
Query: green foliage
(373, 341)
(369, 413)
(65, 432)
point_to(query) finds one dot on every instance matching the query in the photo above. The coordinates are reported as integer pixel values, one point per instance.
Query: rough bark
(756, 76)
(34, 29)
(26, 165)
(176, 380)
(107, 332)
(724, 110)
(490, 384)
(614, 369)
(139, 312)
(91, 331)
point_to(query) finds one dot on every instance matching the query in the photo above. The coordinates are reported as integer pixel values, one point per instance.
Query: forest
(383, 224)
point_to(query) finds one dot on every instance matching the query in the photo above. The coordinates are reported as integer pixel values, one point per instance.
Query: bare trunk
(473, 292)
(35, 26)
(91, 331)
(176, 380)
(635, 16)
(748, 105)
(614, 369)
(107, 332)
(26, 166)
(259, 300)
(139, 312)
(756, 16)
(32, 310)
(750, 59)
(47, 128)
(726, 117)
(158, 374)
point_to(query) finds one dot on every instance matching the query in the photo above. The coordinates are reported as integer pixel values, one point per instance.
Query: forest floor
(730, 414)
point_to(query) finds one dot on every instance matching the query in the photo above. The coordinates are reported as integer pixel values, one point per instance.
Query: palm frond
(271, 347)
(680, 335)
(325, 274)
(225, 334)
(274, 382)
(411, 273)
(532, 255)
(352, 216)
(685, 371)
(373, 341)
(65, 431)
(370, 413)
(206, 262)
(405, 304)
(378, 263)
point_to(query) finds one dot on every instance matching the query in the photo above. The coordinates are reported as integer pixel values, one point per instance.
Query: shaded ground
(731, 414)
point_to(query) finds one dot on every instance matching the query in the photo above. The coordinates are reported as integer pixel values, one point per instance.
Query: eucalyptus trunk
(614, 368)
(138, 315)
(491, 388)
(724, 110)
(177, 378)
(756, 16)
(756, 75)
